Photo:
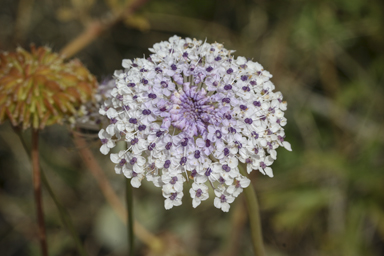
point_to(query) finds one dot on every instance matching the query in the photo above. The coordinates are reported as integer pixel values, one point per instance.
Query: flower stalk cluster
(193, 112)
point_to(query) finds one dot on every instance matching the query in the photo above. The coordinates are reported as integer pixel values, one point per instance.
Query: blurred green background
(327, 196)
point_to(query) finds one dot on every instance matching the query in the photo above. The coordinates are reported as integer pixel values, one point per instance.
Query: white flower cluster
(192, 112)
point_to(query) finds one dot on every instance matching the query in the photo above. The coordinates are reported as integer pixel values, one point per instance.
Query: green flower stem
(254, 216)
(64, 215)
(129, 199)
(37, 192)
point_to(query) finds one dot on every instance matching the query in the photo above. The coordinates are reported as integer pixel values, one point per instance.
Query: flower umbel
(191, 111)
(38, 88)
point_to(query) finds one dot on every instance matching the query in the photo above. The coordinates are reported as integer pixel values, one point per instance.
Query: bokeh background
(327, 196)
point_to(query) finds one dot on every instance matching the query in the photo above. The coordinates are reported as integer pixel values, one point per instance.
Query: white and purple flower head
(191, 112)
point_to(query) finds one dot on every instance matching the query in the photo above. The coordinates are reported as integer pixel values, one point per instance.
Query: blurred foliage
(327, 196)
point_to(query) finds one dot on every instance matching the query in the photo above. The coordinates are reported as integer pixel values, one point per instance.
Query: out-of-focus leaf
(65, 14)
(137, 21)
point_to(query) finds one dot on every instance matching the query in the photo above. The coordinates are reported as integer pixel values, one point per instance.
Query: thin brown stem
(37, 192)
(97, 27)
(144, 235)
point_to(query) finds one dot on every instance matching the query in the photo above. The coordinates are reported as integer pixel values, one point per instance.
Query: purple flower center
(229, 71)
(193, 173)
(104, 141)
(199, 192)
(159, 133)
(133, 160)
(208, 172)
(227, 87)
(142, 127)
(113, 120)
(134, 141)
(173, 67)
(226, 100)
(168, 146)
(248, 121)
(209, 69)
(164, 84)
(193, 111)
(226, 168)
(133, 120)
(226, 152)
(244, 78)
(257, 103)
(146, 112)
(173, 180)
(167, 164)
(223, 199)
(152, 96)
(122, 162)
(218, 58)
(183, 161)
(173, 196)
(221, 180)
(131, 85)
(207, 143)
(263, 165)
(243, 107)
(151, 146)
(218, 134)
(197, 154)
(184, 142)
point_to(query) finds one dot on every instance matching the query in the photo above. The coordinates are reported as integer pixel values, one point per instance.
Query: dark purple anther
(237, 184)
(269, 132)
(218, 58)
(227, 87)
(193, 173)
(272, 110)
(134, 141)
(229, 71)
(131, 85)
(146, 112)
(226, 168)
(134, 97)
(122, 162)
(133, 120)
(209, 69)
(263, 118)
(257, 103)
(246, 89)
(184, 142)
(142, 127)
(197, 154)
(253, 82)
(218, 134)
(244, 66)
(134, 174)
(113, 120)
(270, 145)
(221, 180)
(185, 54)
(244, 78)
(212, 49)
(183, 161)
(133, 160)
(173, 196)
(208, 172)
(151, 146)
(223, 199)
(158, 70)
(134, 65)
(278, 121)
(173, 180)
(281, 139)
(142, 70)
(248, 121)
(199, 192)
(239, 145)
(248, 160)
(159, 133)
(104, 141)
(232, 130)
(207, 143)
(144, 81)
(119, 97)
(164, 84)
(226, 152)
(167, 164)
(226, 100)
(258, 72)
(263, 165)
(173, 67)
(215, 83)
(152, 96)
(228, 116)
(243, 107)
(256, 150)
(125, 107)
(163, 109)
(255, 135)
(168, 146)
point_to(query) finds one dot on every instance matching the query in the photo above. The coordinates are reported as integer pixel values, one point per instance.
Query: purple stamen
(133, 160)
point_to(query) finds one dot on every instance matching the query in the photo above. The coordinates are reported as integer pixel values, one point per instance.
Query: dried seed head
(38, 88)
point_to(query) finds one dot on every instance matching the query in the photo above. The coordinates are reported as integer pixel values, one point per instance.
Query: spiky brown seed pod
(39, 88)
